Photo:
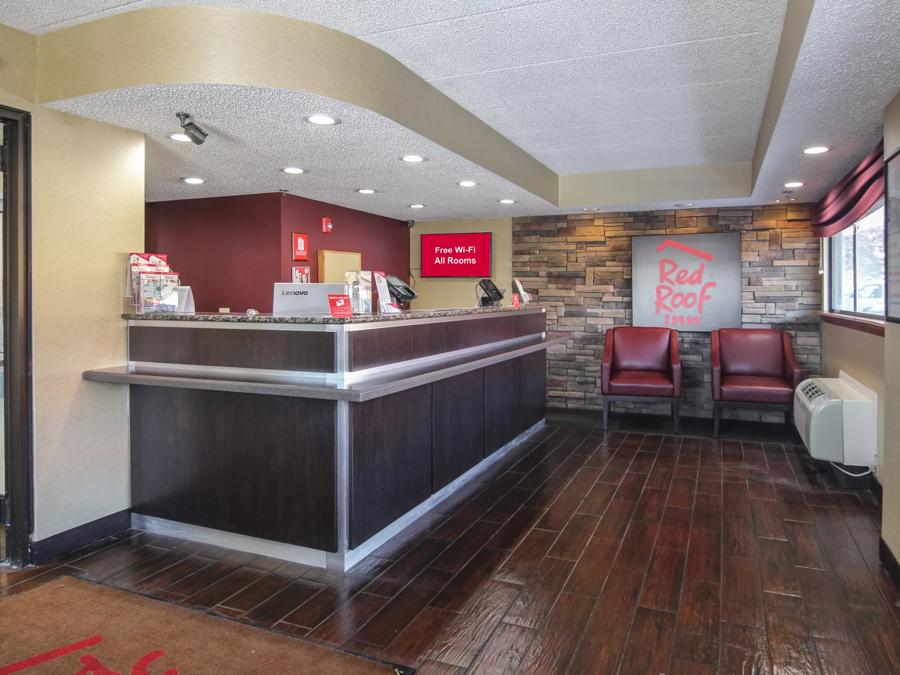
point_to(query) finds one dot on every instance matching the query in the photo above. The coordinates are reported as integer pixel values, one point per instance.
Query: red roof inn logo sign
(688, 282)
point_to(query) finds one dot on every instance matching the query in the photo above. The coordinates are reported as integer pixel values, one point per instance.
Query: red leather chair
(641, 364)
(753, 367)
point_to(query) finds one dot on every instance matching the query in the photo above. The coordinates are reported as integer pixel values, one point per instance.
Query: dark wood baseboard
(889, 561)
(877, 490)
(79, 537)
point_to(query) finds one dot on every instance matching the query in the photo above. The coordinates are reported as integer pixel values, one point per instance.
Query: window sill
(871, 326)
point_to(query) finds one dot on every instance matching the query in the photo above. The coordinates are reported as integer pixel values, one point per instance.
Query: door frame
(18, 428)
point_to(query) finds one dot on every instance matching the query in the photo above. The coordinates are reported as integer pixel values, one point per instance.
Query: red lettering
(663, 293)
(697, 276)
(666, 267)
(705, 296)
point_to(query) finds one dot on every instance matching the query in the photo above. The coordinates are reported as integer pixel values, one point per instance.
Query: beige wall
(461, 292)
(88, 210)
(860, 355)
(890, 473)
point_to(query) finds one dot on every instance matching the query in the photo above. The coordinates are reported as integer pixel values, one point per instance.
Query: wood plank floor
(583, 552)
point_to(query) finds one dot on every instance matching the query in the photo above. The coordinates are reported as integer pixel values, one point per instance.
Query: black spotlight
(190, 128)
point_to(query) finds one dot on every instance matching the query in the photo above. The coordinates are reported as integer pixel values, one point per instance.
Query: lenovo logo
(295, 292)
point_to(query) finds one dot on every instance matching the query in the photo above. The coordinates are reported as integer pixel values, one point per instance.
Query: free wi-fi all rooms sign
(688, 282)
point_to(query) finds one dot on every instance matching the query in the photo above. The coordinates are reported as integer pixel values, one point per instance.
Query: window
(857, 266)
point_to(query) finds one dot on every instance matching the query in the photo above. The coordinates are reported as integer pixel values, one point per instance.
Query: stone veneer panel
(579, 267)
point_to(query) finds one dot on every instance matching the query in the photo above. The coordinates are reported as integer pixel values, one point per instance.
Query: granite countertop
(367, 318)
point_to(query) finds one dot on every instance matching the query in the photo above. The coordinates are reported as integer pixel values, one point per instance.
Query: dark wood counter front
(314, 442)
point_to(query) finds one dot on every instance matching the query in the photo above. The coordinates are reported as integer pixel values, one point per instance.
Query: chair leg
(676, 415)
(717, 412)
(605, 413)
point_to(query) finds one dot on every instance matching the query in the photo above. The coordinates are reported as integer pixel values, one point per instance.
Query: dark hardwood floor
(583, 552)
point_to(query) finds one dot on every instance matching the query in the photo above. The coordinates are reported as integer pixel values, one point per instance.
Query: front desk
(316, 439)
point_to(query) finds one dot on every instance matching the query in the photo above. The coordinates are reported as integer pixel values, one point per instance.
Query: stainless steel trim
(231, 540)
(438, 319)
(358, 376)
(342, 485)
(357, 554)
(233, 373)
(341, 377)
(341, 352)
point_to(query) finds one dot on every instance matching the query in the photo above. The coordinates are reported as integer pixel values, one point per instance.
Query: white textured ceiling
(582, 85)
(847, 71)
(581, 71)
(255, 132)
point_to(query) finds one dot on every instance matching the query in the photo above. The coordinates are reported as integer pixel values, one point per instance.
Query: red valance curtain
(853, 196)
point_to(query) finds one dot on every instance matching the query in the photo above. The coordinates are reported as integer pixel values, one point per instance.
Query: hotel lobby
(500, 336)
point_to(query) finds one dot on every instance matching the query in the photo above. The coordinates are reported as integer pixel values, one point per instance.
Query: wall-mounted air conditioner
(837, 419)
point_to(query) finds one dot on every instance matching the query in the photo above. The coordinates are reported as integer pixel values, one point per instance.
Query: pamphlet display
(151, 285)
(185, 300)
(386, 304)
(360, 284)
(524, 295)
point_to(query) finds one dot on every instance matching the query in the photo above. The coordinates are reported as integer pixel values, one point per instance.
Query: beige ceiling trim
(646, 186)
(18, 62)
(796, 19)
(190, 45)
(180, 45)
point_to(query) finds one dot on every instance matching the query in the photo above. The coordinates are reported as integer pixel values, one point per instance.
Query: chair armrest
(716, 365)
(606, 364)
(792, 372)
(675, 362)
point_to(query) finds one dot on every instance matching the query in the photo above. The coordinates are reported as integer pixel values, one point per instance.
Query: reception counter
(316, 439)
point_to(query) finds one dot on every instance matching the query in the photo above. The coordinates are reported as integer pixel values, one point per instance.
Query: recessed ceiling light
(467, 183)
(777, 201)
(180, 137)
(507, 201)
(793, 184)
(413, 159)
(322, 120)
(690, 203)
(816, 150)
(293, 170)
(193, 180)
(417, 206)
(366, 191)
(793, 199)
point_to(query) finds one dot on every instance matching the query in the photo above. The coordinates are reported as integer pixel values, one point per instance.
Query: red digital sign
(467, 254)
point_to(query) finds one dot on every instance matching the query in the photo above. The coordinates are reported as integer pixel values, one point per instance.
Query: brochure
(360, 291)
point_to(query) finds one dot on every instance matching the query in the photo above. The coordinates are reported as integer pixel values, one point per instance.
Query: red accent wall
(231, 250)
(383, 242)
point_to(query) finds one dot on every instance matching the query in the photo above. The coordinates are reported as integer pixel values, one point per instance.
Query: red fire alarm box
(300, 246)
(326, 225)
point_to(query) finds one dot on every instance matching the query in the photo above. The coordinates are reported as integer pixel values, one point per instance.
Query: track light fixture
(190, 128)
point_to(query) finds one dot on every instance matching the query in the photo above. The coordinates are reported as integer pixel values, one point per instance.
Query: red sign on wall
(300, 246)
(466, 254)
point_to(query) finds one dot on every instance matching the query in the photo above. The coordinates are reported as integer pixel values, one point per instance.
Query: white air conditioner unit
(837, 419)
